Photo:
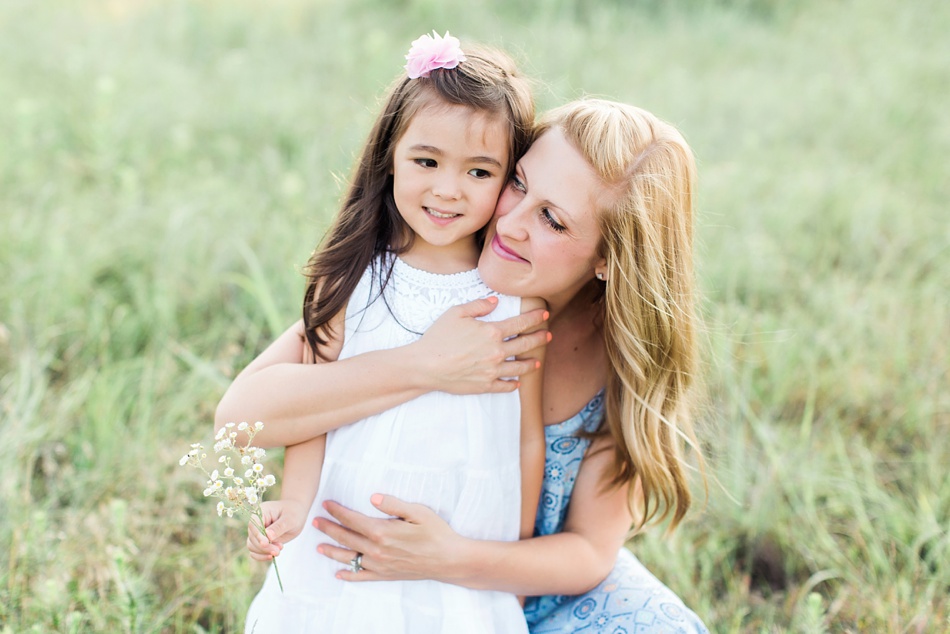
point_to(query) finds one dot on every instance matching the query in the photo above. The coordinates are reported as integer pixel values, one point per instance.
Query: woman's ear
(600, 270)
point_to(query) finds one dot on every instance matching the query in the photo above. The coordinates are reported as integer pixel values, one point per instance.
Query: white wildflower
(233, 496)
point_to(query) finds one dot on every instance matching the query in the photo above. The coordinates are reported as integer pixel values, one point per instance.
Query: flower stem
(277, 572)
(260, 527)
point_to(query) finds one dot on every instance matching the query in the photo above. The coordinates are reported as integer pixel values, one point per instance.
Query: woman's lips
(503, 251)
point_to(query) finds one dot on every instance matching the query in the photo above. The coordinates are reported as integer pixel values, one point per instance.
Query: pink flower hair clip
(430, 52)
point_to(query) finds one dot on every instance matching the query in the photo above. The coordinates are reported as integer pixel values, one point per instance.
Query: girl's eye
(517, 185)
(480, 173)
(426, 162)
(551, 222)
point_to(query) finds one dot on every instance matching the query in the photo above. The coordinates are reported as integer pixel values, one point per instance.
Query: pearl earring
(600, 276)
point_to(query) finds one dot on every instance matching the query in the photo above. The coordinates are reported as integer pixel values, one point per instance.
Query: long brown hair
(368, 223)
(648, 297)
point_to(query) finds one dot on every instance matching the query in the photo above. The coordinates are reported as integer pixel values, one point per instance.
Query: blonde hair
(648, 299)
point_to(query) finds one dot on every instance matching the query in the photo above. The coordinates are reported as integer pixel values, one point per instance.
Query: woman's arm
(421, 545)
(458, 354)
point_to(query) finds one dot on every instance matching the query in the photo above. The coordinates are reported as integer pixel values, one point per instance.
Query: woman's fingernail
(320, 549)
(492, 299)
(550, 337)
(376, 499)
(537, 364)
(546, 315)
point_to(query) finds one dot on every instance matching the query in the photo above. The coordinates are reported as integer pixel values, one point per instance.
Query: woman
(596, 221)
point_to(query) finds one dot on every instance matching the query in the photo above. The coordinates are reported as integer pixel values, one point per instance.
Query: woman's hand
(415, 544)
(467, 356)
(283, 520)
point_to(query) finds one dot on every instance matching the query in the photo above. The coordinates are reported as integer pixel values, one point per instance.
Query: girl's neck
(443, 260)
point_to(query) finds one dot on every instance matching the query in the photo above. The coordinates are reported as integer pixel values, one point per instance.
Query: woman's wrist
(462, 563)
(419, 367)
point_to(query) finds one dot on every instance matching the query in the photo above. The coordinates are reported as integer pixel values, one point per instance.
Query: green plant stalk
(260, 526)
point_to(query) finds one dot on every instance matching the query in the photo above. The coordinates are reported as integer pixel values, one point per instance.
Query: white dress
(458, 455)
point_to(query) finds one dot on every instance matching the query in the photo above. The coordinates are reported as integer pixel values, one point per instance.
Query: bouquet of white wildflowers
(236, 494)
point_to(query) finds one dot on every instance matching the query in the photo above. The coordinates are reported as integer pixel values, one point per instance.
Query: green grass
(166, 168)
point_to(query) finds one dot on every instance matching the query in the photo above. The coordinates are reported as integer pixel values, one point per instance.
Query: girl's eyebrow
(431, 149)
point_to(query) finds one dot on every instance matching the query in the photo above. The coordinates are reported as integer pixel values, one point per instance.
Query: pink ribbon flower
(432, 51)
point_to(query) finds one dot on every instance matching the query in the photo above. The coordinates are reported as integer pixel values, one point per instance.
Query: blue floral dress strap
(630, 599)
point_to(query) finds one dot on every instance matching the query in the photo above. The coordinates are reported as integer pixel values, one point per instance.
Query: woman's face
(545, 236)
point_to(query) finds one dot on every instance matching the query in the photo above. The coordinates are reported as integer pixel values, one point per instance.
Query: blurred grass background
(167, 166)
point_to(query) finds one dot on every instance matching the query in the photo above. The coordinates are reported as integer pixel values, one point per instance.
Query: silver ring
(356, 564)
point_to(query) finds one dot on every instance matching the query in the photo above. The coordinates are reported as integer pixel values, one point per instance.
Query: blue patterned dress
(630, 600)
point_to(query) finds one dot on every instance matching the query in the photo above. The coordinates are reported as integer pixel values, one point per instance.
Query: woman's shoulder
(588, 420)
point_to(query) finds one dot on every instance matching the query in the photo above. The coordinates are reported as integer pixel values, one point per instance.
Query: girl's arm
(421, 545)
(532, 435)
(285, 518)
(458, 354)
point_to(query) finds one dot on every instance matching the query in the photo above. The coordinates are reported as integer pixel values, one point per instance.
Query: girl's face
(545, 238)
(448, 170)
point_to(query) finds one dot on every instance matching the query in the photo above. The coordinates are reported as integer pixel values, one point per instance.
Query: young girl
(404, 249)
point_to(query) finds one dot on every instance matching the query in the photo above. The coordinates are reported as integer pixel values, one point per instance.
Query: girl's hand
(283, 520)
(464, 355)
(415, 544)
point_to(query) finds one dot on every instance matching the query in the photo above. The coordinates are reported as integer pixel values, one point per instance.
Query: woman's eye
(480, 173)
(426, 162)
(517, 185)
(549, 219)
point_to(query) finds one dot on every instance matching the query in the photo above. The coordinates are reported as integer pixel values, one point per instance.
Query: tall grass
(166, 167)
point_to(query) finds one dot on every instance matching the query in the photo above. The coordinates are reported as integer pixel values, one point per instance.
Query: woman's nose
(511, 221)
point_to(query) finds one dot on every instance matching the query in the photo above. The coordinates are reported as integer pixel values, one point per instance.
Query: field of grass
(167, 166)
